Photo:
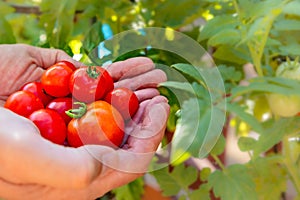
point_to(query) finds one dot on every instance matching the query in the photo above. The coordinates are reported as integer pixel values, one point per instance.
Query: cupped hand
(34, 167)
(21, 63)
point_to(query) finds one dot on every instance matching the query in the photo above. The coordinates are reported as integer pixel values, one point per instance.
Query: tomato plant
(98, 123)
(55, 80)
(260, 113)
(50, 124)
(23, 103)
(124, 100)
(89, 84)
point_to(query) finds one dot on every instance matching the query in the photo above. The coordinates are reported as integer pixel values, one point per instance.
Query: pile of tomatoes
(76, 106)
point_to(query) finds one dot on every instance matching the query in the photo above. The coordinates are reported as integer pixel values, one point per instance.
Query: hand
(22, 63)
(33, 167)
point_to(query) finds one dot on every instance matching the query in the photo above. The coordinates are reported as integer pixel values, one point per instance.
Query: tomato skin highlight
(89, 84)
(102, 124)
(55, 80)
(61, 105)
(37, 89)
(66, 63)
(124, 100)
(51, 125)
(23, 103)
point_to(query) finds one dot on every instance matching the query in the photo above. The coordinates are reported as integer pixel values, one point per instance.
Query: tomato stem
(92, 72)
(77, 112)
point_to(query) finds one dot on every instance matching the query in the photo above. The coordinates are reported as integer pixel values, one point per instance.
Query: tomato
(89, 84)
(101, 124)
(124, 100)
(67, 63)
(61, 105)
(283, 105)
(37, 89)
(23, 103)
(55, 80)
(51, 125)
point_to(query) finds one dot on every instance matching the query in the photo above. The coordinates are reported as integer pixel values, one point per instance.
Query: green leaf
(219, 146)
(287, 25)
(229, 73)
(292, 8)
(170, 13)
(278, 85)
(234, 183)
(246, 143)
(238, 54)
(93, 38)
(189, 70)
(240, 111)
(227, 36)
(198, 129)
(269, 177)
(274, 132)
(131, 191)
(216, 25)
(202, 193)
(6, 32)
(5, 9)
(173, 182)
(178, 85)
(57, 18)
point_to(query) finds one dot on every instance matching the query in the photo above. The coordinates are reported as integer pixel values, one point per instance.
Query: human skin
(32, 167)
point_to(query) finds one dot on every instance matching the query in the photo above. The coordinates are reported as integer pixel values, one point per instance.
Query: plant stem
(218, 161)
(290, 166)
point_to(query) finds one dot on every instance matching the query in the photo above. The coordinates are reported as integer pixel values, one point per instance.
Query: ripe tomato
(23, 103)
(101, 124)
(55, 80)
(51, 125)
(124, 100)
(88, 84)
(67, 63)
(61, 105)
(37, 89)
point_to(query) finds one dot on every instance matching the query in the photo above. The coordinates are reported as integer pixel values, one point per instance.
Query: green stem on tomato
(290, 166)
(77, 112)
(92, 72)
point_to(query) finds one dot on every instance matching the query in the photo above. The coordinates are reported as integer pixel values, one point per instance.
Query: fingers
(149, 79)
(148, 133)
(47, 57)
(147, 93)
(26, 157)
(130, 67)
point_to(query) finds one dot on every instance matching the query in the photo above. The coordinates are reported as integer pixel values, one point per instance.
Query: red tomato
(89, 84)
(55, 80)
(61, 105)
(37, 89)
(101, 124)
(124, 100)
(51, 125)
(23, 103)
(67, 63)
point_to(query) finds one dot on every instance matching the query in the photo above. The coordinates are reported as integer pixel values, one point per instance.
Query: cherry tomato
(55, 80)
(51, 125)
(37, 89)
(89, 84)
(124, 100)
(67, 63)
(23, 103)
(101, 124)
(61, 105)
